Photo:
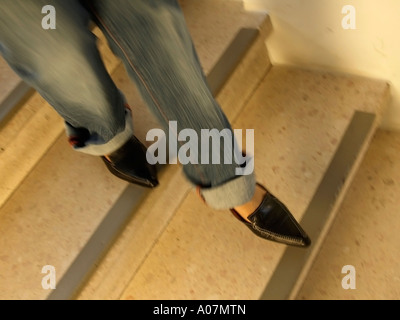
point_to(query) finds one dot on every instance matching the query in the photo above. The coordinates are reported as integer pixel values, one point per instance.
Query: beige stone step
(55, 200)
(12, 89)
(365, 233)
(307, 124)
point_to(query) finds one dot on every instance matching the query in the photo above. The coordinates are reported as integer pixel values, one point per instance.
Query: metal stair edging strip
(291, 264)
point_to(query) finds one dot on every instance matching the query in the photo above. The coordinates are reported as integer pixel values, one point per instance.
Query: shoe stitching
(274, 235)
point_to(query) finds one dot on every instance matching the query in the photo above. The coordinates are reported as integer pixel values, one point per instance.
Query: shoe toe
(130, 164)
(273, 221)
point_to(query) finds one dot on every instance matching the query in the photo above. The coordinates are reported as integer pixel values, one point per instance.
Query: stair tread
(299, 117)
(364, 234)
(213, 24)
(8, 79)
(10, 86)
(47, 219)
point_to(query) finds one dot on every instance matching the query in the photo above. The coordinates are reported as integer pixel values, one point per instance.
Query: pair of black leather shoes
(273, 221)
(130, 164)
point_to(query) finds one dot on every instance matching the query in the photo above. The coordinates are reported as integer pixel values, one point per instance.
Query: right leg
(65, 67)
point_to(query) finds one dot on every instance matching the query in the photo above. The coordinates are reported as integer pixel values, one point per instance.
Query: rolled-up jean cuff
(230, 194)
(115, 143)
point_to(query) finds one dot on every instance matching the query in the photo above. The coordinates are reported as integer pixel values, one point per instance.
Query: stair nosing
(10, 103)
(293, 265)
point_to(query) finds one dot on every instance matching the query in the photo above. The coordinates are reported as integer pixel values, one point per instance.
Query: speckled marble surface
(222, 20)
(299, 117)
(50, 217)
(365, 233)
(193, 258)
(47, 219)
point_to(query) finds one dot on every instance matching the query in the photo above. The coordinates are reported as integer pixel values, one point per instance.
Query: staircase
(111, 240)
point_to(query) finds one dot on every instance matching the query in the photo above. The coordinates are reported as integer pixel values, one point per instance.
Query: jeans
(152, 41)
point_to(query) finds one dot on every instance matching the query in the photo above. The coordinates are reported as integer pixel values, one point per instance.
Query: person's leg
(65, 67)
(152, 39)
(150, 36)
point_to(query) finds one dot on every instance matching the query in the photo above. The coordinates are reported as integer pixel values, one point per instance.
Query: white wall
(310, 33)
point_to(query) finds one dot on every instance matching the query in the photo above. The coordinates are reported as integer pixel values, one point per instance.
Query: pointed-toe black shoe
(130, 164)
(274, 222)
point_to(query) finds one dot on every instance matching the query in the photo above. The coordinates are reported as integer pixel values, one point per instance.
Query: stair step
(302, 119)
(12, 90)
(364, 233)
(45, 214)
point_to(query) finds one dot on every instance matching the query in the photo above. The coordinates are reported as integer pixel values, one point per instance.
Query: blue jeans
(152, 40)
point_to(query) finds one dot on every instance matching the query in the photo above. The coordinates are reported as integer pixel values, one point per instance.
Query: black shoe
(273, 221)
(130, 164)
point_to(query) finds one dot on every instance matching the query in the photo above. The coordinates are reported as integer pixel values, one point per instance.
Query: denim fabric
(152, 40)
